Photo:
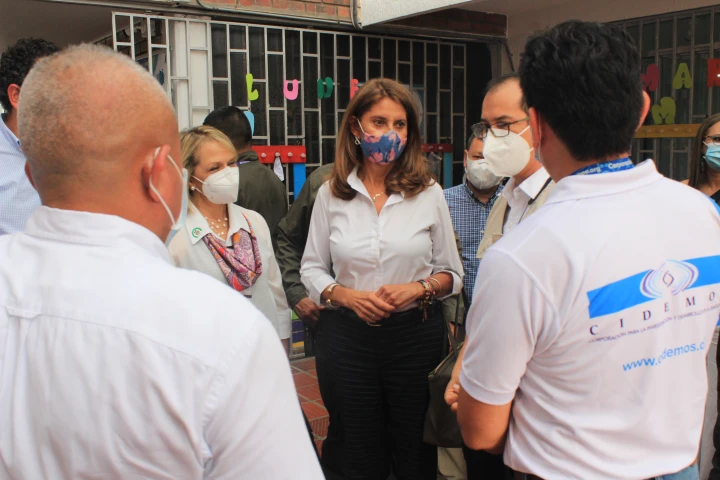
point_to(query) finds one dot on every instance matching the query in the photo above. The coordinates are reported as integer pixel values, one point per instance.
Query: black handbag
(441, 426)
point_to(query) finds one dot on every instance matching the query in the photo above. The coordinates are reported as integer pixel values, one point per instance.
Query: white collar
(357, 185)
(531, 186)
(92, 229)
(576, 187)
(197, 227)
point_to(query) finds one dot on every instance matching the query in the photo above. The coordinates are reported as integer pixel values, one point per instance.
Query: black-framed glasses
(712, 139)
(500, 129)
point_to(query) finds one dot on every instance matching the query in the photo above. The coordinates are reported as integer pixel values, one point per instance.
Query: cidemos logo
(196, 232)
(672, 277)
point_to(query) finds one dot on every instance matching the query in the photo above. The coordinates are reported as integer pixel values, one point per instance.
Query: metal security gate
(205, 64)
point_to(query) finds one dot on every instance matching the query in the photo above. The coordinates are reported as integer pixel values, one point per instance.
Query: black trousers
(485, 466)
(373, 381)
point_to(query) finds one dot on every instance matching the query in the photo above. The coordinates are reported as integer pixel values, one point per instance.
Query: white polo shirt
(595, 316)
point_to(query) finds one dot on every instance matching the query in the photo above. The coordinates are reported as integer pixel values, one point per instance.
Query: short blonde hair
(193, 138)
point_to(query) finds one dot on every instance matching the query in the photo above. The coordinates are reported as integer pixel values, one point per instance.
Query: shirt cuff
(456, 286)
(295, 294)
(319, 285)
(284, 318)
(481, 393)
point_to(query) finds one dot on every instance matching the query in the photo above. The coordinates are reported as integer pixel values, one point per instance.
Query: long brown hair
(409, 174)
(698, 166)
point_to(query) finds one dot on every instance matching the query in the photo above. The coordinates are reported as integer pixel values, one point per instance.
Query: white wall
(522, 24)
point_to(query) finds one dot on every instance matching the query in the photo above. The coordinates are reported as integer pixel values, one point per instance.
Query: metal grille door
(211, 64)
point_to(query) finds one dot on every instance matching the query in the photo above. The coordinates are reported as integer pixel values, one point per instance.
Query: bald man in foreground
(113, 363)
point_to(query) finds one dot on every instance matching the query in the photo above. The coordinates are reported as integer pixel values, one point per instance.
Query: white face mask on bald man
(506, 154)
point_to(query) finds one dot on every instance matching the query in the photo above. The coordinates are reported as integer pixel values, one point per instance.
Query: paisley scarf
(241, 264)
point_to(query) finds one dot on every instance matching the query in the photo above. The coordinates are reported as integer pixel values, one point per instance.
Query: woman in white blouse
(380, 251)
(224, 240)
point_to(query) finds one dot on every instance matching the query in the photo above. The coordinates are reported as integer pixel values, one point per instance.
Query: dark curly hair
(17, 61)
(583, 79)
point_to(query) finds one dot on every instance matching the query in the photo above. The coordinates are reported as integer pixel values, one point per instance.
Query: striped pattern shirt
(18, 198)
(469, 216)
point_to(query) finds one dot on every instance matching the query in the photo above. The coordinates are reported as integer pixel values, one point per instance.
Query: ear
(465, 158)
(535, 127)
(645, 108)
(157, 169)
(354, 123)
(13, 92)
(28, 173)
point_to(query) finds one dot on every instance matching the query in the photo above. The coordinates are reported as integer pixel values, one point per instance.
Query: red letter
(713, 72)
(651, 77)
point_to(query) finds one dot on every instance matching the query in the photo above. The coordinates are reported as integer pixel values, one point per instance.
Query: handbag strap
(452, 337)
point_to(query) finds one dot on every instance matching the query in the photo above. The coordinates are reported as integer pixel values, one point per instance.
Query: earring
(357, 141)
(192, 188)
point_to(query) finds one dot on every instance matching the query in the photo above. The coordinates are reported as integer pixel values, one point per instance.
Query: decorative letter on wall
(682, 79)
(713, 72)
(651, 78)
(353, 87)
(251, 118)
(665, 112)
(252, 94)
(291, 94)
(325, 89)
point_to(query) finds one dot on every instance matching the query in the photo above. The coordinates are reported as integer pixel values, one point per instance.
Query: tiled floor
(307, 388)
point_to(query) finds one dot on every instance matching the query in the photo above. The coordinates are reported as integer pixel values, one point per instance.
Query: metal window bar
(692, 50)
(175, 77)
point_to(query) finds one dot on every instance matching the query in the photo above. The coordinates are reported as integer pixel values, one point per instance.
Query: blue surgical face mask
(712, 156)
(176, 224)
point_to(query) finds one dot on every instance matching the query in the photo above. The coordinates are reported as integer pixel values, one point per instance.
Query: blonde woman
(224, 240)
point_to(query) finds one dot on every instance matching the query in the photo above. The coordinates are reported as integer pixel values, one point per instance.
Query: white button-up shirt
(349, 243)
(519, 196)
(189, 251)
(18, 198)
(116, 364)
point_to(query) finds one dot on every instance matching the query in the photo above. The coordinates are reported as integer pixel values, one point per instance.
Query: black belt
(415, 314)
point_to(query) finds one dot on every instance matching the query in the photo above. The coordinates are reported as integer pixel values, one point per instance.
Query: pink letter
(291, 94)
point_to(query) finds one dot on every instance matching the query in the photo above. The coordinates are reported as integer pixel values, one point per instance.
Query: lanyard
(606, 167)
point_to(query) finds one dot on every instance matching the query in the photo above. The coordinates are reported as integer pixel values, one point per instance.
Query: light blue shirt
(18, 198)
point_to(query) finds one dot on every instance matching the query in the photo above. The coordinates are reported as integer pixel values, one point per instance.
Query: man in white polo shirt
(505, 130)
(592, 319)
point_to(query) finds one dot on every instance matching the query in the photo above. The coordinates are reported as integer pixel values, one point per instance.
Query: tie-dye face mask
(382, 149)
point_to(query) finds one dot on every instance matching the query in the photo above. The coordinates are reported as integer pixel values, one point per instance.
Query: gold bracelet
(433, 279)
(329, 290)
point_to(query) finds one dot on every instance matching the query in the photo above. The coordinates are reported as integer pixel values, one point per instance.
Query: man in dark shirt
(260, 189)
(292, 234)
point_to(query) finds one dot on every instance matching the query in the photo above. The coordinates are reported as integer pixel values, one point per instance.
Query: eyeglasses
(712, 140)
(500, 129)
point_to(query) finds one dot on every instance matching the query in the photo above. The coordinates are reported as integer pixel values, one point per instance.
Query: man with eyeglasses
(505, 132)
(505, 128)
